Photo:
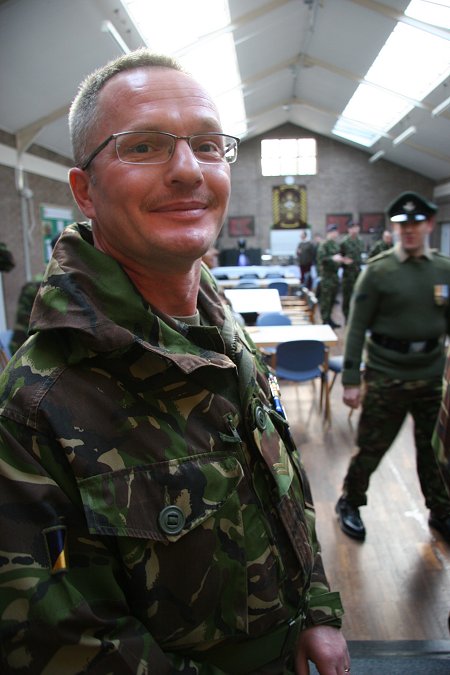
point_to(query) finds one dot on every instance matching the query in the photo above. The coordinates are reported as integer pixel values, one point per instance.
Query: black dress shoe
(442, 525)
(350, 520)
(333, 324)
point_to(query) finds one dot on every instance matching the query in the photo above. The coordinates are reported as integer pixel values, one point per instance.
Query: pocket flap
(134, 502)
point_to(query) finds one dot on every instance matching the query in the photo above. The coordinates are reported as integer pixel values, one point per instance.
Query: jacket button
(171, 520)
(260, 418)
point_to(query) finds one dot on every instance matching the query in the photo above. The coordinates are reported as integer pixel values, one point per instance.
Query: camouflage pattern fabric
(152, 502)
(329, 280)
(386, 404)
(379, 247)
(351, 248)
(441, 437)
(6, 259)
(24, 307)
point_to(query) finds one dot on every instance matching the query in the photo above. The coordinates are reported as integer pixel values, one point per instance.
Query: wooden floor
(396, 584)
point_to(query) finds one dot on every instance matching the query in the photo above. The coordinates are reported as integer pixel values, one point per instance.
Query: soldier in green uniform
(155, 517)
(351, 249)
(383, 244)
(402, 299)
(329, 260)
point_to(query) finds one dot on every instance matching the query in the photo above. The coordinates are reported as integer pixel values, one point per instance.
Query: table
(254, 300)
(292, 282)
(271, 336)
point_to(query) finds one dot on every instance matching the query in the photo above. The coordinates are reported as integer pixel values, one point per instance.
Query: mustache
(153, 202)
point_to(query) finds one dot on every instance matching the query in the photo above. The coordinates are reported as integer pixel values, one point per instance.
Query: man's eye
(141, 148)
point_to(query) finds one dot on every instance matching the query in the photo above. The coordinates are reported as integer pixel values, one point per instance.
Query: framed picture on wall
(371, 222)
(340, 219)
(241, 226)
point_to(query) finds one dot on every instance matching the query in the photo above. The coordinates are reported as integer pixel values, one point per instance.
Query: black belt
(405, 346)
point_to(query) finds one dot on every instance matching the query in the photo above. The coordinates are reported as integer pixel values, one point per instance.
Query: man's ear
(80, 184)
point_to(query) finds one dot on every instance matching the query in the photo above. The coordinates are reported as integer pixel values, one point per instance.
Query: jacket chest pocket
(178, 525)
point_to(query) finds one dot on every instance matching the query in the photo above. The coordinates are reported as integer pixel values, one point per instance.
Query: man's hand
(326, 647)
(352, 396)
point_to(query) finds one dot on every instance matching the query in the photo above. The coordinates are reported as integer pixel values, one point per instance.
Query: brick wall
(345, 183)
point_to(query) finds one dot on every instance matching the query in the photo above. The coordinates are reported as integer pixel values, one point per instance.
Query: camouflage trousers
(385, 406)
(329, 286)
(348, 281)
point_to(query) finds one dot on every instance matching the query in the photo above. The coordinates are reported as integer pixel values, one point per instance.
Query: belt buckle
(417, 347)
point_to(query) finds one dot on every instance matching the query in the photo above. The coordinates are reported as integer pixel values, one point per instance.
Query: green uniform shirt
(152, 502)
(404, 299)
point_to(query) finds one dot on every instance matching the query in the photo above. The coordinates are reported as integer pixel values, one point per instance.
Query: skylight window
(409, 66)
(197, 34)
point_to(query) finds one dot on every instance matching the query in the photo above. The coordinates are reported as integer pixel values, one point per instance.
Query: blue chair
(303, 361)
(248, 275)
(281, 286)
(273, 319)
(247, 284)
(274, 275)
(5, 353)
(336, 365)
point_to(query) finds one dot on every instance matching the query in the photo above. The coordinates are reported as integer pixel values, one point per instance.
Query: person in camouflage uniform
(351, 249)
(329, 260)
(441, 437)
(27, 296)
(402, 300)
(383, 244)
(155, 516)
(7, 262)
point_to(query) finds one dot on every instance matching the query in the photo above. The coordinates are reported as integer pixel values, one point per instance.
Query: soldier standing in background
(351, 249)
(306, 252)
(401, 303)
(383, 244)
(329, 260)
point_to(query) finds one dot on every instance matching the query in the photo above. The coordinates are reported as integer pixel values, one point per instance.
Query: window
(288, 157)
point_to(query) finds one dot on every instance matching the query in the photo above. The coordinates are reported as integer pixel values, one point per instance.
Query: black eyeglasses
(157, 147)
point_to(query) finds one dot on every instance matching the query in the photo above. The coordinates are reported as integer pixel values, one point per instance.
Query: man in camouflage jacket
(329, 260)
(351, 249)
(155, 517)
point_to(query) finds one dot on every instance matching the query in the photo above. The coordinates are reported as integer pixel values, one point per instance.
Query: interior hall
(340, 107)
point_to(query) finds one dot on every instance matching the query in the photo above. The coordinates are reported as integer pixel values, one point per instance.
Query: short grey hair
(83, 115)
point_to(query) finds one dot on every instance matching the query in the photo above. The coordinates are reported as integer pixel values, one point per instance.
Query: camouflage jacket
(152, 501)
(325, 263)
(352, 248)
(441, 437)
(379, 247)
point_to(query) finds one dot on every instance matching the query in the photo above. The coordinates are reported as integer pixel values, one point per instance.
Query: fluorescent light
(404, 135)
(108, 27)
(441, 107)
(376, 156)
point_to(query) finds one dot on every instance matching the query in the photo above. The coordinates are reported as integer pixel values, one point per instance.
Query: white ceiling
(300, 61)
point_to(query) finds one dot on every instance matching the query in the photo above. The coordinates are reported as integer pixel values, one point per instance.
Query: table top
(250, 300)
(235, 271)
(271, 336)
(262, 283)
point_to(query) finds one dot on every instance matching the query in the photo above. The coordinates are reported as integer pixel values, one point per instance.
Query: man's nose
(183, 164)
